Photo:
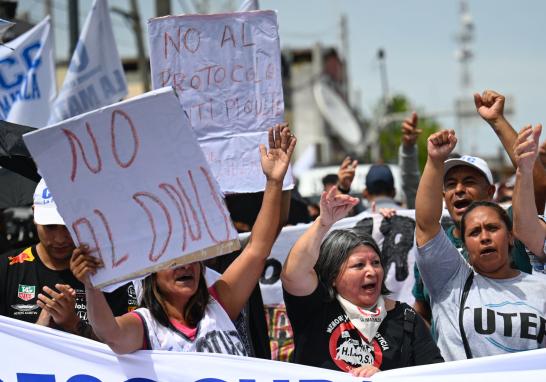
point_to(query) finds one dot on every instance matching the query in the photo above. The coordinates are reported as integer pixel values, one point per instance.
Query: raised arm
(346, 174)
(490, 106)
(237, 282)
(527, 227)
(123, 334)
(408, 159)
(298, 275)
(428, 202)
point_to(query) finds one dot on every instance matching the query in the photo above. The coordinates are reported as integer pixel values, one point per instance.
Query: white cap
(467, 160)
(45, 209)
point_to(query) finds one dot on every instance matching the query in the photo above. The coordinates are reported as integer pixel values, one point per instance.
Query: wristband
(343, 190)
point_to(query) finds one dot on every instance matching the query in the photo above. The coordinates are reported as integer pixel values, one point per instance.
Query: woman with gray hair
(335, 299)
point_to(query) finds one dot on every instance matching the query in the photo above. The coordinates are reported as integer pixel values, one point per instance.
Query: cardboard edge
(202, 254)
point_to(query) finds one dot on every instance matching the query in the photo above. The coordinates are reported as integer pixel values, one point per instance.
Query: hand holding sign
(131, 181)
(83, 265)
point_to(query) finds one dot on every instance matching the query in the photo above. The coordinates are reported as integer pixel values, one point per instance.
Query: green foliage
(390, 137)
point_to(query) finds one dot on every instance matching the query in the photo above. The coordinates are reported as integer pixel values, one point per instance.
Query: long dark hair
(335, 250)
(495, 207)
(153, 299)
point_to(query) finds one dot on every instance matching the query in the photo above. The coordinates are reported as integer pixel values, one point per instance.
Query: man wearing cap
(468, 179)
(36, 284)
(380, 189)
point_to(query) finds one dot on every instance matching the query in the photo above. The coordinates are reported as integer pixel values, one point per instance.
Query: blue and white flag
(95, 75)
(27, 77)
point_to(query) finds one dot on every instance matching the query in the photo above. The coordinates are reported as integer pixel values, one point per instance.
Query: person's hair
(335, 250)
(329, 179)
(154, 300)
(503, 215)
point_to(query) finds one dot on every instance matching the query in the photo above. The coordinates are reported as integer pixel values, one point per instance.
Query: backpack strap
(466, 289)
(409, 325)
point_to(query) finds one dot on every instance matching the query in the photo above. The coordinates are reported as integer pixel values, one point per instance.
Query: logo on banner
(26, 292)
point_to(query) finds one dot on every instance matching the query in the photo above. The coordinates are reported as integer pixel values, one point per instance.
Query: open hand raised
(275, 161)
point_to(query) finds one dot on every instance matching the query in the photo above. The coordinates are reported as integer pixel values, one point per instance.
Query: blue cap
(379, 179)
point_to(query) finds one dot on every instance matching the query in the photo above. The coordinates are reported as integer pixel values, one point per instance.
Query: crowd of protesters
(479, 280)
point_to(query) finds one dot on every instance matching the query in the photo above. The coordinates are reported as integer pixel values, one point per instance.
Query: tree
(390, 136)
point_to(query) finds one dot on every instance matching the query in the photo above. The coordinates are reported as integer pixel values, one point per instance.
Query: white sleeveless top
(215, 333)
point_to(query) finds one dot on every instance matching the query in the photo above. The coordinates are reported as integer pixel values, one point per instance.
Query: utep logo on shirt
(26, 292)
(26, 255)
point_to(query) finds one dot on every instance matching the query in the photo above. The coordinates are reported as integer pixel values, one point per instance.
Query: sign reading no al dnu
(131, 180)
(226, 71)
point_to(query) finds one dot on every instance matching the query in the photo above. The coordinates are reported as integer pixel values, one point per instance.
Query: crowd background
(491, 249)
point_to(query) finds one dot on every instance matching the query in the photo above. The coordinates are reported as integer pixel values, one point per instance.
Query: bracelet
(343, 190)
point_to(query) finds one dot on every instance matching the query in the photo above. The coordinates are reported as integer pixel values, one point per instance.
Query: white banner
(27, 77)
(226, 69)
(131, 180)
(31, 353)
(95, 75)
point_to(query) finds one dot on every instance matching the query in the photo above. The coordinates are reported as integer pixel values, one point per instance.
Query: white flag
(95, 75)
(249, 5)
(27, 77)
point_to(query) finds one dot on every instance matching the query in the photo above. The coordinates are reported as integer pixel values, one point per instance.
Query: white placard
(132, 180)
(226, 69)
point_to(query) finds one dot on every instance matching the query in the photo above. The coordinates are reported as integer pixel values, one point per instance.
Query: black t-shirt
(23, 275)
(325, 337)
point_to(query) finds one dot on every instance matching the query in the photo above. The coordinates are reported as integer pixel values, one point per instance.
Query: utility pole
(382, 59)
(142, 61)
(344, 38)
(48, 10)
(463, 107)
(133, 17)
(73, 25)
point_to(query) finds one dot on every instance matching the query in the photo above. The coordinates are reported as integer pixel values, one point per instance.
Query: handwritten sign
(226, 71)
(131, 180)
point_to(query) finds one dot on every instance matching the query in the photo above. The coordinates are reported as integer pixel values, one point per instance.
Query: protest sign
(226, 70)
(27, 77)
(75, 359)
(131, 180)
(95, 75)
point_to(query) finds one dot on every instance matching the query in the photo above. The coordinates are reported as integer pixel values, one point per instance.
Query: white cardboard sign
(226, 69)
(131, 180)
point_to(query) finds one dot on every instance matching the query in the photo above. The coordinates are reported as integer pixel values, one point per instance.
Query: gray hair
(335, 250)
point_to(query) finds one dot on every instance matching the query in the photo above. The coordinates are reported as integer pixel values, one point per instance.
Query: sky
(419, 38)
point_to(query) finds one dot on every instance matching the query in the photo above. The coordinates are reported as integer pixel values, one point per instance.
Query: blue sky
(419, 40)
